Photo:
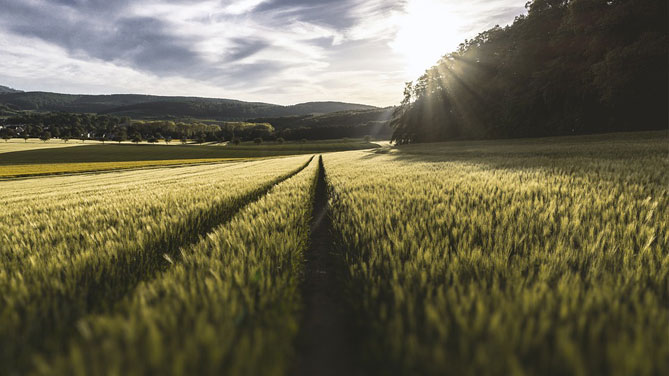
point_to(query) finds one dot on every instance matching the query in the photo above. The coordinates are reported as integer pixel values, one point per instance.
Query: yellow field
(64, 168)
(16, 144)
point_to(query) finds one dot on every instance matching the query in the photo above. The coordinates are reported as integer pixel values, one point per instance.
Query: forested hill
(567, 67)
(340, 124)
(158, 107)
(5, 89)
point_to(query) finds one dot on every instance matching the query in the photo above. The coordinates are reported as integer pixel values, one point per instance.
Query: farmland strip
(230, 307)
(94, 282)
(26, 171)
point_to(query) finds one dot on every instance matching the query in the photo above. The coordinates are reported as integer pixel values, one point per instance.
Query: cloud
(245, 48)
(282, 51)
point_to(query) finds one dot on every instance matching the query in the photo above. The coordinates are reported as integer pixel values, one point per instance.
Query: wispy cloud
(282, 51)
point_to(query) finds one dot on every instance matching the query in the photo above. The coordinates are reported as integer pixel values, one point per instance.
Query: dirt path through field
(323, 344)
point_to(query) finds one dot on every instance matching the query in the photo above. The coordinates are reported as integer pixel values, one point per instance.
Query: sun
(427, 30)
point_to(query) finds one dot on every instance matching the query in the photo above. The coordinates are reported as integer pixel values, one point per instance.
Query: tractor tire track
(324, 342)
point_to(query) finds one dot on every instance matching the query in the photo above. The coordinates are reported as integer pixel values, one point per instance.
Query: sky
(275, 51)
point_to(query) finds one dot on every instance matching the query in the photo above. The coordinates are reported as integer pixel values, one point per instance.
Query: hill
(6, 111)
(5, 89)
(340, 124)
(159, 107)
(339, 118)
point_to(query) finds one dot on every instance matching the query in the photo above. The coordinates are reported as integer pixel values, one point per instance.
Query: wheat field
(523, 257)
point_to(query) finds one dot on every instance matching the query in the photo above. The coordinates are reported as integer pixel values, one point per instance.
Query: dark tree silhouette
(201, 138)
(567, 67)
(7, 134)
(137, 138)
(46, 136)
(121, 136)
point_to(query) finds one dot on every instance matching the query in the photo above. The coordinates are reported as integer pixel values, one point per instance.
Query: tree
(77, 131)
(257, 140)
(46, 136)
(280, 140)
(152, 140)
(26, 136)
(66, 137)
(184, 140)
(201, 138)
(168, 139)
(236, 141)
(368, 138)
(121, 136)
(136, 138)
(7, 134)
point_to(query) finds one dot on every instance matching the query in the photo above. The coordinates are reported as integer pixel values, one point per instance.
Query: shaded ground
(324, 343)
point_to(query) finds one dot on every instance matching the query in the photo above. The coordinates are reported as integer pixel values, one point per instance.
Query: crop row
(229, 306)
(70, 249)
(506, 264)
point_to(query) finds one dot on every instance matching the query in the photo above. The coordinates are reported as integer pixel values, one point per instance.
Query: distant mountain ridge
(163, 107)
(5, 89)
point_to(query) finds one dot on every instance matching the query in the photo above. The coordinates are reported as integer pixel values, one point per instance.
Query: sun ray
(426, 30)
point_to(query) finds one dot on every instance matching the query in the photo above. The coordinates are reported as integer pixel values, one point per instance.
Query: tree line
(68, 126)
(566, 67)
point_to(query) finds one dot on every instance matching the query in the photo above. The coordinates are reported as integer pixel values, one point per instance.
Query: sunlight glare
(427, 30)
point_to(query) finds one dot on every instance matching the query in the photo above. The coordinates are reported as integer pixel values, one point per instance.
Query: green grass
(509, 257)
